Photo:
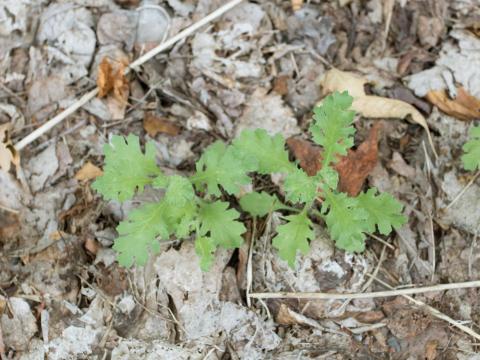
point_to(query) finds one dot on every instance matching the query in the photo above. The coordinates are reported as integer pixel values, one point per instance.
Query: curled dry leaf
(296, 4)
(154, 124)
(111, 78)
(371, 106)
(353, 169)
(92, 246)
(104, 78)
(463, 107)
(88, 172)
(287, 316)
(431, 350)
(8, 154)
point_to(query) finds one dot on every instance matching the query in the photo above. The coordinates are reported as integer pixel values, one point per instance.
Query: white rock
(203, 50)
(44, 92)
(118, 27)
(75, 343)
(139, 350)
(183, 8)
(10, 191)
(18, 330)
(127, 304)
(153, 24)
(267, 112)
(462, 60)
(198, 121)
(69, 28)
(36, 351)
(465, 213)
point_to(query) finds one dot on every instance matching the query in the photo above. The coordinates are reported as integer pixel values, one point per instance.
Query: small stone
(18, 330)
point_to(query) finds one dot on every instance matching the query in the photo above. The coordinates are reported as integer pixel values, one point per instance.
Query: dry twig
(141, 60)
(370, 295)
(436, 313)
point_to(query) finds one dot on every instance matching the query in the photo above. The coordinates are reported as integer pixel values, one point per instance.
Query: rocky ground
(265, 63)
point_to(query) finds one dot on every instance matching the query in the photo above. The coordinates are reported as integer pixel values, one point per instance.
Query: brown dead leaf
(111, 78)
(280, 85)
(120, 83)
(308, 155)
(370, 317)
(154, 124)
(296, 4)
(91, 245)
(463, 107)
(431, 350)
(372, 106)
(353, 169)
(285, 316)
(88, 172)
(129, 3)
(8, 154)
(3, 305)
(104, 78)
(9, 225)
(399, 165)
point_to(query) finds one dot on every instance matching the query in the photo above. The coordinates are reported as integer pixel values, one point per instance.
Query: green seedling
(196, 204)
(471, 149)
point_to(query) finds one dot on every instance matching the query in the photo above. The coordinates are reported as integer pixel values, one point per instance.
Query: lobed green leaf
(259, 204)
(205, 249)
(221, 224)
(346, 221)
(293, 236)
(126, 169)
(383, 211)
(299, 187)
(264, 153)
(332, 126)
(471, 149)
(220, 166)
(137, 234)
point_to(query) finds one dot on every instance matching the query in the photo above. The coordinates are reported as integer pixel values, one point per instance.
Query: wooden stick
(34, 135)
(388, 293)
(437, 313)
(141, 60)
(183, 34)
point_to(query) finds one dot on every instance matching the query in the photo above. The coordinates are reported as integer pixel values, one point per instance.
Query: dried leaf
(280, 85)
(308, 155)
(9, 225)
(285, 316)
(369, 105)
(399, 165)
(8, 154)
(154, 124)
(463, 107)
(120, 83)
(431, 350)
(357, 165)
(112, 78)
(88, 172)
(353, 169)
(104, 78)
(297, 4)
(92, 246)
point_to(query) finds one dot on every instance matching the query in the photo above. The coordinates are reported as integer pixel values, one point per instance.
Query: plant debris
(63, 294)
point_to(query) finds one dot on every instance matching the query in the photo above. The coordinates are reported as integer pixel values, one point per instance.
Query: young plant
(471, 149)
(197, 204)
